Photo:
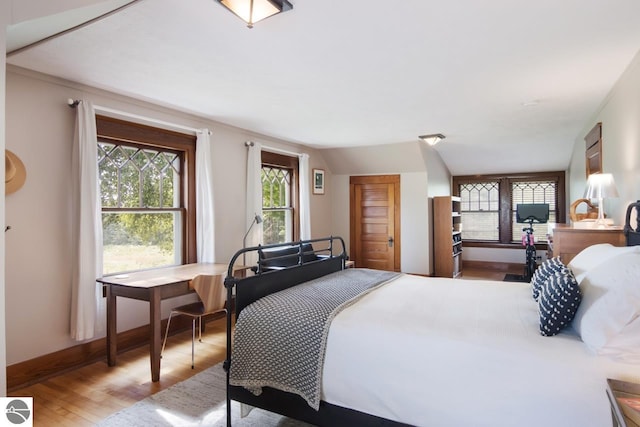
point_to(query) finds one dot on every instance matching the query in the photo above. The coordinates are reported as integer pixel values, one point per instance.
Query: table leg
(156, 339)
(112, 332)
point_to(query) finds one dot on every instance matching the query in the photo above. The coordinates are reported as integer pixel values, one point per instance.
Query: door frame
(375, 179)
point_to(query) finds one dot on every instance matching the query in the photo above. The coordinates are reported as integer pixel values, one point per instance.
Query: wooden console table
(568, 241)
(153, 286)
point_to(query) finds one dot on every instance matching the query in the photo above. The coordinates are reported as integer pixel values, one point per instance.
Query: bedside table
(622, 416)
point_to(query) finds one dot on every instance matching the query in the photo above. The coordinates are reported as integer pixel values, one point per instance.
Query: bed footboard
(293, 406)
(327, 255)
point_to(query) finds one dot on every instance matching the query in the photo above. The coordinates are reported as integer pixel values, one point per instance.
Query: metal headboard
(632, 233)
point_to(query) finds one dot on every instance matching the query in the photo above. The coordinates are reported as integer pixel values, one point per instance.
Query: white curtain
(254, 197)
(205, 244)
(305, 208)
(87, 304)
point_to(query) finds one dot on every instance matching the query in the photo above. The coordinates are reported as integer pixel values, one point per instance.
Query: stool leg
(193, 339)
(164, 342)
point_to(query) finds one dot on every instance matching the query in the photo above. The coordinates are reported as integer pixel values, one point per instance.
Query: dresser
(567, 241)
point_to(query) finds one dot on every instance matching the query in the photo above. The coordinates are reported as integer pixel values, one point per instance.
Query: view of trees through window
(140, 195)
(276, 205)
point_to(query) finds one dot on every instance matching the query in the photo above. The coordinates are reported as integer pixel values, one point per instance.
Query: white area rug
(198, 401)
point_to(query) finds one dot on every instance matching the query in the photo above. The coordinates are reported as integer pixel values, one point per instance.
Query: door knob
(390, 242)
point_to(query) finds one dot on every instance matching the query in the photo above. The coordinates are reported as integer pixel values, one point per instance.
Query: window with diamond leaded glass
(527, 192)
(145, 220)
(488, 204)
(279, 198)
(479, 208)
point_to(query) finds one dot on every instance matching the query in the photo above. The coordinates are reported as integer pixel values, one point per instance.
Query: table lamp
(600, 186)
(257, 219)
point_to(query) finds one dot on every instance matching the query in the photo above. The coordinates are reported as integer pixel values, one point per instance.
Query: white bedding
(444, 352)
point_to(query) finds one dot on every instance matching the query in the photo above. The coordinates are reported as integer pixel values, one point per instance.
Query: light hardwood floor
(86, 395)
(482, 274)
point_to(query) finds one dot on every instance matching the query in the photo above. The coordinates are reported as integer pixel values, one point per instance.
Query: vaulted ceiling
(511, 83)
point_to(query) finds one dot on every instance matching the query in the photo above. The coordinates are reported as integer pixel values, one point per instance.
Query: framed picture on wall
(593, 153)
(318, 181)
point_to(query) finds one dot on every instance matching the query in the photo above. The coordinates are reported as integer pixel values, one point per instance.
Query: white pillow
(594, 255)
(625, 346)
(610, 300)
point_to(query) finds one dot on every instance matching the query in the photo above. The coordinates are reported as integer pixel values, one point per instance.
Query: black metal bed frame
(265, 282)
(632, 233)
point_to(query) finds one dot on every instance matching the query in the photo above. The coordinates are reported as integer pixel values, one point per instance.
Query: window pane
(479, 206)
(528, 192)
(129, 183)
(135, 178)
(146, 180)
(276, 204)
(276, 187)
(108, 184)
(135, 241)
(274, 226)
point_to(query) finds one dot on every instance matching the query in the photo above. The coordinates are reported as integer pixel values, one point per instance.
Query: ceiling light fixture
(252, 11)
(432, 139)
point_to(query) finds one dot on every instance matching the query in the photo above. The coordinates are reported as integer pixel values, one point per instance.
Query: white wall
(619, 114)
(414, 218)
(40, 131)
(4, 22)
(11, 12)
(438, 184)
(404, 159)
(437, 171)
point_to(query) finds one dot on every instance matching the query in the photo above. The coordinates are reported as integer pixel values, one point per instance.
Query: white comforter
(443, 352)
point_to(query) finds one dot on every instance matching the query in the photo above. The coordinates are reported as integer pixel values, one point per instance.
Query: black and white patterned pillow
(542, 273)
(559, 300)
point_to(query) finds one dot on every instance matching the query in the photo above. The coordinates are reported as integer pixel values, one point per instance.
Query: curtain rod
(73, 103)
(273, 149)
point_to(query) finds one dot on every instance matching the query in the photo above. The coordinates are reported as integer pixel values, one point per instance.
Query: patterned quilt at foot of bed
(280, 340)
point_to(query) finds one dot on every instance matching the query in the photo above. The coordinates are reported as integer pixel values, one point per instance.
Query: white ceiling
(499, 76)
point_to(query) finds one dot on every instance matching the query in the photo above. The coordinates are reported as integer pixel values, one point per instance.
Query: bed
(425, 351)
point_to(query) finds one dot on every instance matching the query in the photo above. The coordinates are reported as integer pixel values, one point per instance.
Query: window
(479, 205)
(279, 198)
(144, 186)
(533, 192)
(488, 205)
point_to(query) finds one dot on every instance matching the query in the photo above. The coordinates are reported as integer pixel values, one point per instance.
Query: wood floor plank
(86, 395)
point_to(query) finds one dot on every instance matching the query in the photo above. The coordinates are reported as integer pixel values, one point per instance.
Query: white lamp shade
(600, 186)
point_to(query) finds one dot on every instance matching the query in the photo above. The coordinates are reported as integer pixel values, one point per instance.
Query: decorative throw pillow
(542, 273)
(559, 300)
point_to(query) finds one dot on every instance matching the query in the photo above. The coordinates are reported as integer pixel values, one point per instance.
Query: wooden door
(375, 221)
